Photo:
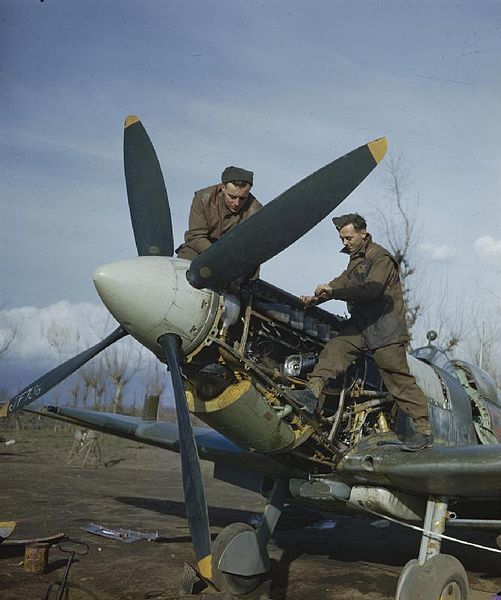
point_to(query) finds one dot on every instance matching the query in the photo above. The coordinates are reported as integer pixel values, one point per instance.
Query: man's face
(351, 238)
(234, 196)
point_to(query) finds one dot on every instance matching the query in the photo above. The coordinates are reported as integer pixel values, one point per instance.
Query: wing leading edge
(212, 446)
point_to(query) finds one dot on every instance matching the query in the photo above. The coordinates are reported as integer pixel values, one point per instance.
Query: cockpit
(471, 377)
(434, 356)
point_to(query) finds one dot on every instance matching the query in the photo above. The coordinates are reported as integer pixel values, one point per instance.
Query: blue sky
(277, 87)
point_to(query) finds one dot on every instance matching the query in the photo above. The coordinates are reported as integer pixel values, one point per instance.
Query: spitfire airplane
(235, 346)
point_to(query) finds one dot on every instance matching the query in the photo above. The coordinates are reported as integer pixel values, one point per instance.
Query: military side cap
(237, 174)
(355, 218)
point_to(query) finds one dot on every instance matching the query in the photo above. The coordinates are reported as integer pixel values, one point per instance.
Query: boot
(419, 441)
(308, 398)
(423, 438)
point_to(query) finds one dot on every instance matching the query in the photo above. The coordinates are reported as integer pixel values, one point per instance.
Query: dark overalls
(371, 286)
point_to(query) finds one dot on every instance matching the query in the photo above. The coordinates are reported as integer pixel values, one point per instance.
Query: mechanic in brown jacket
(217, 209)
(371, 287)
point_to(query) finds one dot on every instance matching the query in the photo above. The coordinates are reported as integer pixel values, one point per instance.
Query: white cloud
(48, 336)
(438, 252)
(53, 332)
(488, 246)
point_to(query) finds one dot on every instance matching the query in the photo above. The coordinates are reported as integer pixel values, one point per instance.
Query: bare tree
(8, 333)
(94, 376)
(89, 384)
(75, 392)
(155, 378)
(63, 343)
(449, 315)
(483, 345)
(123, 362)
(401, 231)
(59, 338)
(7, 336)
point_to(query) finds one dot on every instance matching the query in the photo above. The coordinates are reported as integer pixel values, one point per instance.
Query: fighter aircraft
(235, 346)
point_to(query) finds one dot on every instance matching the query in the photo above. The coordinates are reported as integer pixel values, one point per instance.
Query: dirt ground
(313, 556)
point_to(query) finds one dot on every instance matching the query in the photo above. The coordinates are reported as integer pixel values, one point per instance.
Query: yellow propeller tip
(130, 120)
(378, 148)
(205, 566)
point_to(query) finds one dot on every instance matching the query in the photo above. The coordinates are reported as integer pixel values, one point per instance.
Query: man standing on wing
(371, 287)
(217, 209)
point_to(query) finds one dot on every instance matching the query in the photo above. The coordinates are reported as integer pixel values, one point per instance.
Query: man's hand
(322, 293)
(308, 300)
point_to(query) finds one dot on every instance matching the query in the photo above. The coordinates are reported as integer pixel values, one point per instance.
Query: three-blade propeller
(238, 253)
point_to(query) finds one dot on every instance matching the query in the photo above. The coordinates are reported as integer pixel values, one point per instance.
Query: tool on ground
(73, 548)
(120, 534)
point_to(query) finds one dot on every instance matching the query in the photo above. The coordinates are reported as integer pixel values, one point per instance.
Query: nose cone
(150, 296)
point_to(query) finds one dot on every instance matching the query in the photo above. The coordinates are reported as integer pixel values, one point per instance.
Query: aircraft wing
(211, 445)
(466, 471)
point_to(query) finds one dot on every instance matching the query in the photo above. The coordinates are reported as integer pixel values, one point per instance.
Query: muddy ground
(141, 489)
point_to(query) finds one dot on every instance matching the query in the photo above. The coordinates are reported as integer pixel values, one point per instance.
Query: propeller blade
(148, 202)
(45, 383)
(284, 220)
(194, 493)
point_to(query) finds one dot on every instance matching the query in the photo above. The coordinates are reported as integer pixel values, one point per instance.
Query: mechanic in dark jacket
(371, 287)
(217, 209)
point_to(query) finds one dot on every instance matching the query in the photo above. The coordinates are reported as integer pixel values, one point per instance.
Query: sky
(280, 88)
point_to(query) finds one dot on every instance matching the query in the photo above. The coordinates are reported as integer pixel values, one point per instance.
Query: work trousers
(391, 361)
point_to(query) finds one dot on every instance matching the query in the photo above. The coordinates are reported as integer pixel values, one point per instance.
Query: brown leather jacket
(371, 287)
(210, 219)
